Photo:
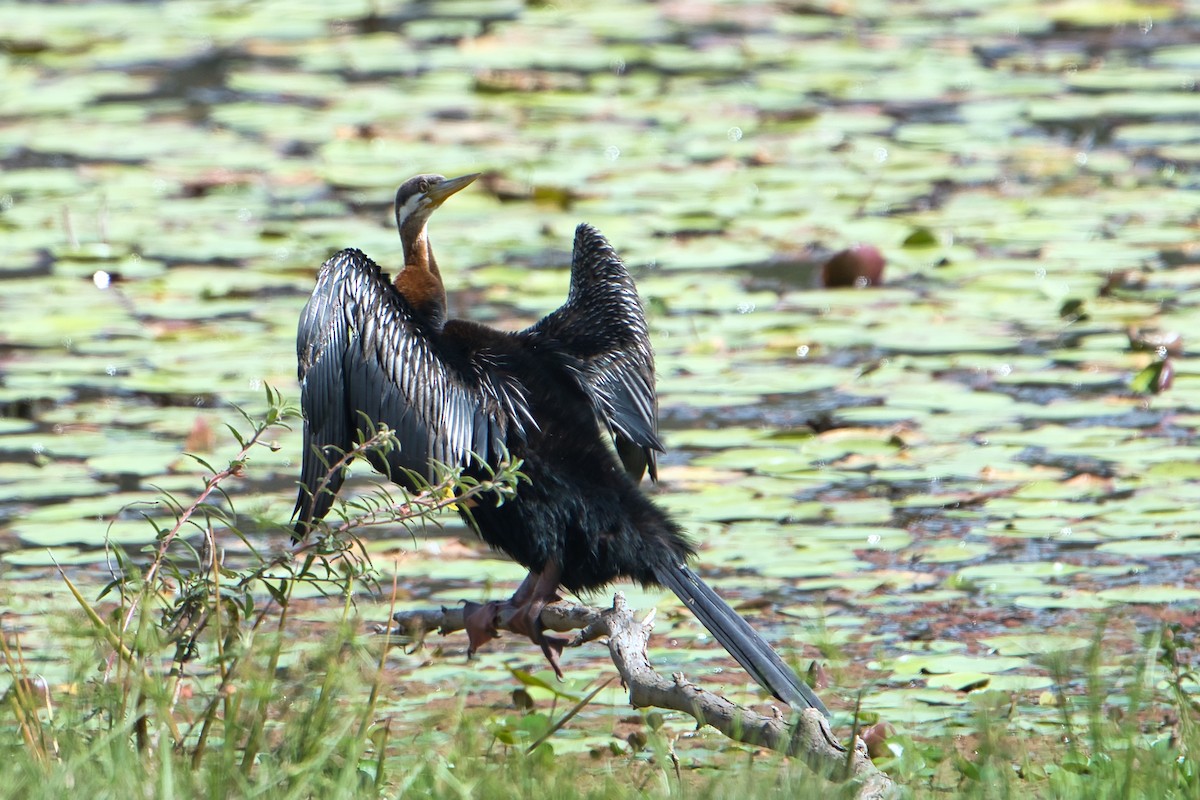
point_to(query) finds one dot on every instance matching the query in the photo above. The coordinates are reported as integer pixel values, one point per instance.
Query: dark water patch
(1137, 41)
(1070, 464)
(1134, 419)
(1038, 392)
(199, 80)
(1087, 131)
(934, 111)
(35, 264)
(815, 411)
(30, 405)
(1182, 257)
(786, 271)
(157, 399)
(1051, 50)
(930, 524)
(32, 158)
(481, 17)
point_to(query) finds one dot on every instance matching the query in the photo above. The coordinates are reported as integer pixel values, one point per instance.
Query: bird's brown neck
(420, 281)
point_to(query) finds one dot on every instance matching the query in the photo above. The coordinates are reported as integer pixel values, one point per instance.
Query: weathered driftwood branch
(806, 736)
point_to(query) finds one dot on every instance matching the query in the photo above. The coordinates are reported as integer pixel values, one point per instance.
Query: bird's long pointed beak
(438, 194)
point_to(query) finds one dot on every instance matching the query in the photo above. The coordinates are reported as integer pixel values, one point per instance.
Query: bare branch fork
(806, 736)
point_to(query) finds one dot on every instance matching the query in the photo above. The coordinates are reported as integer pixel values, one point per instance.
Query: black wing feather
(365, 358)
(603, 328)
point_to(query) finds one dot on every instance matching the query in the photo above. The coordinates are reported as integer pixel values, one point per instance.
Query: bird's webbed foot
(523, 613)
(480, 623)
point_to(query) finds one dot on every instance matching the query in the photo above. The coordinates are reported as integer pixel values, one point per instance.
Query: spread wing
(603, 327)
(365, 358)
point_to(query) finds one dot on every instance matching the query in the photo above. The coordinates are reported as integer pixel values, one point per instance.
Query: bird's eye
(423, 186)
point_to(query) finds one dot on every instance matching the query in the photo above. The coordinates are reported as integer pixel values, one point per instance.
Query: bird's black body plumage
(547, 395)
(541, 394)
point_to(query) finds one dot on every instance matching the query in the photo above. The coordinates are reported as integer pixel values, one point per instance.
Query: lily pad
(911, 665)
(1034, 644)
(1150, 594)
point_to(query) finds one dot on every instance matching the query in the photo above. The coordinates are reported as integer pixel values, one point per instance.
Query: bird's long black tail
(738, 638)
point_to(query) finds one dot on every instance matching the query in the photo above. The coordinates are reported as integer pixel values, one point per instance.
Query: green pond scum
(969, 493)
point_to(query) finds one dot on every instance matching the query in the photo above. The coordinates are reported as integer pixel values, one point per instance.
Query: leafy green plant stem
(20, 700)
(236, 468)
(254, 740)
(368, 713)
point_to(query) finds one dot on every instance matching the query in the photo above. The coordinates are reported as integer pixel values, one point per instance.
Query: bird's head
(418, 197)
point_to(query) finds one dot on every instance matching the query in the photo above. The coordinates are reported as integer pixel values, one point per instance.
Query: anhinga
(372, 350)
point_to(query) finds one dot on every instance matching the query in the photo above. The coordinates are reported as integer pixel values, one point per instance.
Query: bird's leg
(528, 601)
(481, 618)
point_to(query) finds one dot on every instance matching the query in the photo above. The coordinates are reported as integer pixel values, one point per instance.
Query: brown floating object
(859, 266)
